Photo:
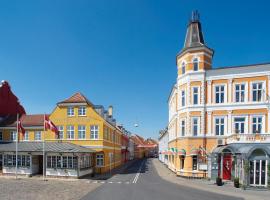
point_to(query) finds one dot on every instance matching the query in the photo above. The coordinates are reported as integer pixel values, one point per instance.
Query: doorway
(258, 172)
(227, 166)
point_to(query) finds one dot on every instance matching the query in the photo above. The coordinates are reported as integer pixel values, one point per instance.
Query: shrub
(219, 181)
(236, 182)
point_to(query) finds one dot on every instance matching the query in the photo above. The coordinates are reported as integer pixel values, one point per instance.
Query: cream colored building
(215, 112)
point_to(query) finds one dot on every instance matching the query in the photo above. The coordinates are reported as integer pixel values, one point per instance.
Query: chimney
(110, 111)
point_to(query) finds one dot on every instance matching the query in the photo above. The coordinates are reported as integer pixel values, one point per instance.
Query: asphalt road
(141, 182)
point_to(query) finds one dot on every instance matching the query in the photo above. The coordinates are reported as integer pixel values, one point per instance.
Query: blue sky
(119, 52)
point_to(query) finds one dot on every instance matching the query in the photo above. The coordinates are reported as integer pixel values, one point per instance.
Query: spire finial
(195, 17)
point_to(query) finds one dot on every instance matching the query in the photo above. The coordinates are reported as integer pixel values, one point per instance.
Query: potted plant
(236, 182)
(219, 181)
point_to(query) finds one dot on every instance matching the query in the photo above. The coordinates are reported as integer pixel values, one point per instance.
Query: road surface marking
(138, 174)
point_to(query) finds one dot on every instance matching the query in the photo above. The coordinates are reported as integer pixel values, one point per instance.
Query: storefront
(249, 162)
(61, 159)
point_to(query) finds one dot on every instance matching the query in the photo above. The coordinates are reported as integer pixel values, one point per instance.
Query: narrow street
(141, 181)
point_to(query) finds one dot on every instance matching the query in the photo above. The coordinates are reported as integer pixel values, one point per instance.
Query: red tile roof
(77, 98)
(29, 120)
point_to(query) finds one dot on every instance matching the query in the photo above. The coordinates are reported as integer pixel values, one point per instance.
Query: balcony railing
(248, 138)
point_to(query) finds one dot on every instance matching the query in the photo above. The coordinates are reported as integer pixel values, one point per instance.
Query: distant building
(163, 141)
(219, 118)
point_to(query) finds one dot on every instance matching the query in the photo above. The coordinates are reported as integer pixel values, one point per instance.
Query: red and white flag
(20, 127)
(48, 124)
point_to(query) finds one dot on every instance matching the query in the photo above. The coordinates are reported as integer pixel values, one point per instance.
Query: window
(183, 68)
(220, 94)
(1, 136)
(23, 160)
(82, 111)
(219, 123)
(257, 124)
(182, 158)
(183, 126)
(13, 135)
(37, 135)
(239, 92)
(239, 124)
(62, 162)
(257, 91)
(195, 64)
(194, 162)
(70, 111)
(26, 136)
(81, 132)
(85, 162)
(183, 98)
(94, 132)
(195, 95)
(61, 132)
(70, 132)
(105, 133)
(195, 126)
(100, 160)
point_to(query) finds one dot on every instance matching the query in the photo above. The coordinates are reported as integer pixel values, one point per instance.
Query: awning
(181, 152)
(194, 151)
(53, 147)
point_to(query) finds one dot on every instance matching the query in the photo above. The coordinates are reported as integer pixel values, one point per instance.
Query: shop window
(100, 160)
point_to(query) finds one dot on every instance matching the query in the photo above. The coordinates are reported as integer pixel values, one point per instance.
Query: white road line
(110, 182)
(138, 173)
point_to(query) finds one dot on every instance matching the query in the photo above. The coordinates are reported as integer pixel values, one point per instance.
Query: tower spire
(194, 35)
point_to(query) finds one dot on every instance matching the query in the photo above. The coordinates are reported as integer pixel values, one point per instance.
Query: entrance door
(257, 173)
(40, 164)
(227, 166)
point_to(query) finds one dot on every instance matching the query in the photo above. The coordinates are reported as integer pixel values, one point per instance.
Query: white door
(258, 173)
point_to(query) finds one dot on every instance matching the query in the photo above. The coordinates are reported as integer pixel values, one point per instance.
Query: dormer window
(70, 111)
(195, 64)
(183, 68)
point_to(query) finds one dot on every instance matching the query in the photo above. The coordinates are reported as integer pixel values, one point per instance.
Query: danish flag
(48, 124)
(20, 127)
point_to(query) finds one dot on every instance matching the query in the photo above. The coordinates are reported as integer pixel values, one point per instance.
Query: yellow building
(82, 123)
(89, 130)
(215, 112)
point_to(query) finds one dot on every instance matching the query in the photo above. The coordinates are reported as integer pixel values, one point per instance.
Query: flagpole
(44, 171)
(17, 134)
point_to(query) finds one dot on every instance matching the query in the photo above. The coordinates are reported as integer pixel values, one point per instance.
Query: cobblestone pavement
(35, 189)
(227, 189)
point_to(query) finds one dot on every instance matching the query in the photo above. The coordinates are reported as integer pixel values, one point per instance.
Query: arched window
(195, 64)
(183, 68)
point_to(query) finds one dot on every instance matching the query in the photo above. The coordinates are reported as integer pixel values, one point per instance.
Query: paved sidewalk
(205, 185)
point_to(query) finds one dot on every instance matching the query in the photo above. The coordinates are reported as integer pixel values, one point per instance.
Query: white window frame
(94, 132)
(99, 157)
(263, 123)
(225, 92)
(183, 66)
(70, 111)
(198, 95)
(81, 132)
(224, 124)
(61, 131)
(245, 92)
(183, 103)
(70, 131)
(263, 97)
(35, 136)
(183, 127)
(26, 136)
(193, 62)
(245, 123)
(82, 111)
(13, 135)
(198, 126)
